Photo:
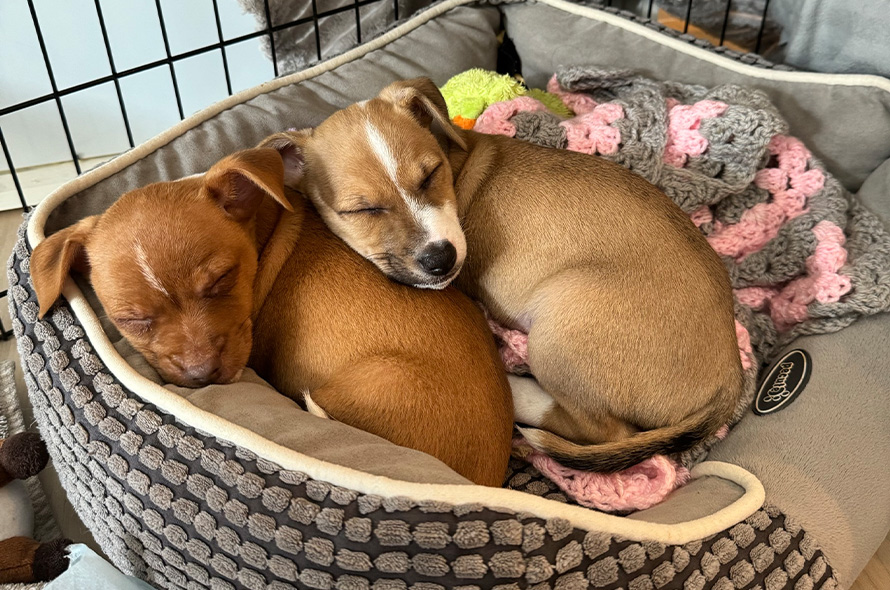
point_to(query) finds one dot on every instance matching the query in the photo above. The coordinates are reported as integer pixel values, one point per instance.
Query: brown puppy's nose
(205, 372)
(437, 258)
(199, 372)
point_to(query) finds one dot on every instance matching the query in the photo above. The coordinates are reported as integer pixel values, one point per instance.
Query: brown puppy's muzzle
(219, 360)
(197, 368)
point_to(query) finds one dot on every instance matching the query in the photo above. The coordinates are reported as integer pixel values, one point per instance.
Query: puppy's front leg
(531, 403)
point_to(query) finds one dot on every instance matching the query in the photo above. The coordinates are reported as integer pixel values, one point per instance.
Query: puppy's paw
(531, 403)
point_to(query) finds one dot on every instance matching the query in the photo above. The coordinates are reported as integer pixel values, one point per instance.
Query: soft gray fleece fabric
(846, 127)
(834, 35)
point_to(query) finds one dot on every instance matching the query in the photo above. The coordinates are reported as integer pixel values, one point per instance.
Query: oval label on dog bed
(784, 382)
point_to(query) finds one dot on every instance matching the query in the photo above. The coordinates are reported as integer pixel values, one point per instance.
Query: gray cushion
(848, 127)
(822, 459)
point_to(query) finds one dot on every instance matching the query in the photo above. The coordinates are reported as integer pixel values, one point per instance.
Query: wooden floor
(875, 576)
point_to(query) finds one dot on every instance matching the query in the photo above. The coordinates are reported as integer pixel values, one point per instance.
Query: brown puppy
(190, 270)
(629, 311)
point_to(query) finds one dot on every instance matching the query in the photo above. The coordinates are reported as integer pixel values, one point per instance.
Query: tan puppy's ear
(239, 182)
(54, 257)
(421, 98)
(291, 145)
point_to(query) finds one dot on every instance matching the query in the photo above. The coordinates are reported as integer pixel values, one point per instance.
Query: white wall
(74, 42)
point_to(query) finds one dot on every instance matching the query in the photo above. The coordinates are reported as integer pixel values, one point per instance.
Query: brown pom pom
(23, 455)
(50, 560)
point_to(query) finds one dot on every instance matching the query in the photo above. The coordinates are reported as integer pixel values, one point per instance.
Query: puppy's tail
(622, 454)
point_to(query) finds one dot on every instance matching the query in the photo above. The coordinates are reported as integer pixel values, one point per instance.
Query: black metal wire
(762, 26)
(15, 177)
(358, 23)
(117, 84)
(4, 333)
(52, 83)
(178, 57)
(269, 30)
(223, 48)
(317, 30)
(725, 22)
(688, 17)
(169, 58)
(57, 94)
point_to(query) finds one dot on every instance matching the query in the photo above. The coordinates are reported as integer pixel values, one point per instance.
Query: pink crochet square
(684, 121)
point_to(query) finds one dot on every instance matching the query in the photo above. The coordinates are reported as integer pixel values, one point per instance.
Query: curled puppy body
(209, 273)
(629, 311)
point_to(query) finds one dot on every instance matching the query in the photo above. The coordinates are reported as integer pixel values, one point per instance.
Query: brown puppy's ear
(54, 257)
(421, 98)
(291, 145)
(239, 182)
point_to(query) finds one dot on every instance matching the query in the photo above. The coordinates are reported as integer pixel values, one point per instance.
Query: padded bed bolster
(823, 459)
(845, 122)
(88, 413)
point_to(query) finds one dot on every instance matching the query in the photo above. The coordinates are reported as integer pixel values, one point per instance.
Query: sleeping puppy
(628, 310)
(205, 273)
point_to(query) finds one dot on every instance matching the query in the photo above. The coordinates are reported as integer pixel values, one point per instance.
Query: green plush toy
(553, 102)
(468, 94)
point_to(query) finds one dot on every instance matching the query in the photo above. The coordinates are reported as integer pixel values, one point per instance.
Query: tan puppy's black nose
(438, 258)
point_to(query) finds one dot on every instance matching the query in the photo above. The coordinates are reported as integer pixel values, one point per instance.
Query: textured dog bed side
(183, 509)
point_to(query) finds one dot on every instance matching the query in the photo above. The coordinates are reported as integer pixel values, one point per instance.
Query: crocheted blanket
(804, 257)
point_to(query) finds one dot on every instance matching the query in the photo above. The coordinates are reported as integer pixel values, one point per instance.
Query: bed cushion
(84, 396)
(844, 120)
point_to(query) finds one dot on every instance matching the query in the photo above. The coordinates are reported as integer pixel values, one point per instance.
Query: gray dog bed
(196, 489)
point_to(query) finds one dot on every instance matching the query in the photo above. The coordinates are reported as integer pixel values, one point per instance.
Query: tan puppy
(190, 270)
(629, 311)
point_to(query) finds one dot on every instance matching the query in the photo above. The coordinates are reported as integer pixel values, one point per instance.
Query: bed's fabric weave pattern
(183, 509)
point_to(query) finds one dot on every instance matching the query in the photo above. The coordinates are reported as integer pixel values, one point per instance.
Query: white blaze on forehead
(438, 223)
(147, 272)
(384, 152)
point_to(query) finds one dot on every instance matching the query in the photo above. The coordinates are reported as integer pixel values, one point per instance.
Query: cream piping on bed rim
(754, 494)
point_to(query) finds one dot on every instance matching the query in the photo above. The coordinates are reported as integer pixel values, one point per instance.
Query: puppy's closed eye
(136, 324)
(220, 284)
(365, 210)
(360, 205)
(425, 183)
